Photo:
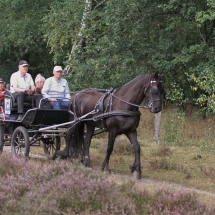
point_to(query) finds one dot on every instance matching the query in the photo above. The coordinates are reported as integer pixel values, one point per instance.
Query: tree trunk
(87, 10)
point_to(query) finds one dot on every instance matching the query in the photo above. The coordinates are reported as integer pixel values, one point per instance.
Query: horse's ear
(156, 75)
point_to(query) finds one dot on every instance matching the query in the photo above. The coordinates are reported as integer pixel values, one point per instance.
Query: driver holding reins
(56, 88)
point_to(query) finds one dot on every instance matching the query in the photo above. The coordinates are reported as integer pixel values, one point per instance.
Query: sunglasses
(59, 71)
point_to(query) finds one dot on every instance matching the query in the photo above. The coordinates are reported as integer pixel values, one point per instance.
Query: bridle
(153, 90)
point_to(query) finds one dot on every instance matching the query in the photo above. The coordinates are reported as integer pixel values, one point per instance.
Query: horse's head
(153, 92)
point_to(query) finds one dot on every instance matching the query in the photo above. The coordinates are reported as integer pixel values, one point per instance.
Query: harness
(99, 113)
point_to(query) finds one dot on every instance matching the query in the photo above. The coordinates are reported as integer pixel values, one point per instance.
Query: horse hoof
(61, 154)
(137, 175)
(87, 165)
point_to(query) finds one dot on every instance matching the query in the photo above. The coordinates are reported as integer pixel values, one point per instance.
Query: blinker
(154, 89)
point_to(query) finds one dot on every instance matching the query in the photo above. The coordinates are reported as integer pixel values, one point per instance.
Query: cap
(39, 76)
(57, 68)
(1, 80)
(23, 63)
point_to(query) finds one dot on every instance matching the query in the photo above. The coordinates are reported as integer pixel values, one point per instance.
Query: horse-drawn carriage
(115, 111)
(21, 135)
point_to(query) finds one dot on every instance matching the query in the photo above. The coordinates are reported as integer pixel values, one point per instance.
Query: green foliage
(22, 36)
(107, 43)
(204, 86)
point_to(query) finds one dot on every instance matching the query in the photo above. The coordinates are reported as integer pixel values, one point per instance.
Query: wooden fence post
(157, 127)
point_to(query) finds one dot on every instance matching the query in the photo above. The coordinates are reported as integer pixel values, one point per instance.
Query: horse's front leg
(111, 140)
(136, 168)
(87, 142)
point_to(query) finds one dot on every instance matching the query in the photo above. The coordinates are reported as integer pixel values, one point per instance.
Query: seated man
(22, 87)
(56, 88)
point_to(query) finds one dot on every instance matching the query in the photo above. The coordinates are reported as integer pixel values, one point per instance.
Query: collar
(21, 74)
(57, 80)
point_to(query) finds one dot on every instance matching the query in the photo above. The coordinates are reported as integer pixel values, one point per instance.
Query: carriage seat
(57, 105)
(13, 103)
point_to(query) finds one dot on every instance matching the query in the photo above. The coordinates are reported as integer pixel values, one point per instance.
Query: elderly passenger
(56, 88)
(39, 82)
(22, 87)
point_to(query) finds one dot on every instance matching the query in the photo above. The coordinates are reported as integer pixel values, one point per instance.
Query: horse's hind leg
(111, 139)
(136, 168)
(87, 141)
(65, 153)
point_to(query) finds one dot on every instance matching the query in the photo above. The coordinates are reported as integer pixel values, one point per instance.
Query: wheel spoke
(19, 140)
(50, 146)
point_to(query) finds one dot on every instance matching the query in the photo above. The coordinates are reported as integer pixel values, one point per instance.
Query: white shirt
(55, 88)
(23, 82)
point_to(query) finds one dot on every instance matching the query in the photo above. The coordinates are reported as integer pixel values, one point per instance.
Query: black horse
(116, 112)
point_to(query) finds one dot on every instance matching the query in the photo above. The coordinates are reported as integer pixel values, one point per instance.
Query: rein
(129, 102)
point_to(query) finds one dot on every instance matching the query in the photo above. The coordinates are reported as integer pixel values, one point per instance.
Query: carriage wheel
(51, 146)
(1, 138)
(20, 144)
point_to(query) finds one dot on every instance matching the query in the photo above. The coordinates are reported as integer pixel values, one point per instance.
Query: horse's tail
(77, 141)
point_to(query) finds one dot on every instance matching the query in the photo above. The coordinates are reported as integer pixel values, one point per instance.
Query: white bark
(87, 10)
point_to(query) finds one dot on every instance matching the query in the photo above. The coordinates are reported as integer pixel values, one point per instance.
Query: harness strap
(115, 113)
(100, 103)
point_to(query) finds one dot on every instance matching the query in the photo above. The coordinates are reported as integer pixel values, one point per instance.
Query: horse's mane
(134, 80)
(120, 88)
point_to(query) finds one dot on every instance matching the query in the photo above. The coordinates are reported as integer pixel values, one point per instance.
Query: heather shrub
(60, 187)
(10, 166)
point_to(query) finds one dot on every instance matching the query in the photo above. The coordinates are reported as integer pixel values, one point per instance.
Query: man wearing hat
(22, 87)
(56, 88)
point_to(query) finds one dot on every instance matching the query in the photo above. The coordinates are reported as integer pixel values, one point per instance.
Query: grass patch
(183, 165)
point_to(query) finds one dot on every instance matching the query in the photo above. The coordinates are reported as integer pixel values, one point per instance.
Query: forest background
(106, 43)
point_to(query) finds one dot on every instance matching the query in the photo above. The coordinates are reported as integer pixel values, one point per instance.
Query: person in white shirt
(22, 87)
(56, 88)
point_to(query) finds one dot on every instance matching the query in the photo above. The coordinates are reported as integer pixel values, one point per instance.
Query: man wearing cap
(22, 87)
(56, 87)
